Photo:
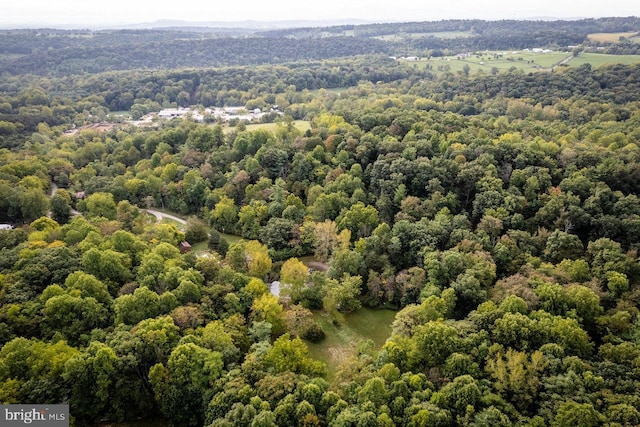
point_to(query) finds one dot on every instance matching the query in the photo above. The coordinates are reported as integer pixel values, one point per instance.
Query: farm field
(598, 59)
(301, 125)
(610, 37)
(341, 342)
(488, 62)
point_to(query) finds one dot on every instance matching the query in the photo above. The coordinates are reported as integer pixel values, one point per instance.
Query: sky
(112, 12)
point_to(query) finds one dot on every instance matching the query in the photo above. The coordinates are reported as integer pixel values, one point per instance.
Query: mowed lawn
(526, 61)
(301, 125)
(487, 61)
(341, 342)
(598, 59)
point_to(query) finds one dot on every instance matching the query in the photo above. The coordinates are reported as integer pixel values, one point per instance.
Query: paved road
(161, 215)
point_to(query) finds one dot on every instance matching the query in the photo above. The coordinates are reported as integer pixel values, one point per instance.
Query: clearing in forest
(342, 340)
(610, 37)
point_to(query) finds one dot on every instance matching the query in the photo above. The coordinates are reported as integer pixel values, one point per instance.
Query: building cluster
(223, 114)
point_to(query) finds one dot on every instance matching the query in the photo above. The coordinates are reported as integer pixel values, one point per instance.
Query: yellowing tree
(258, 260)
(293, 275)
(267, 308)
(325, 239)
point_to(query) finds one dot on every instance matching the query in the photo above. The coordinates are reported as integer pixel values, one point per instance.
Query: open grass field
(610, 37)
(598, 59)
(302, 125)
(342, 341)
(199, 248)
(488, 62)
(231, 238)
(124, 114)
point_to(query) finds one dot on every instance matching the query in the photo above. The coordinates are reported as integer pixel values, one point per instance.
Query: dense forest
(497, 214)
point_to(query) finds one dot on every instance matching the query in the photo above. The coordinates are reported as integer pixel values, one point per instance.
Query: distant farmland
(490, 62)
(610, 37)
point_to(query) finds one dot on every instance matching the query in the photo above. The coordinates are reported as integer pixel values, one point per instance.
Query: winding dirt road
(161, 215)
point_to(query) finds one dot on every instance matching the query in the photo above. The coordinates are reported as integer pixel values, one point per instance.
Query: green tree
(142, 304)
(433, 342)
(517, 377)
(361, 220)
(33, 204)
(252, 218)
(183, 387)
(73, 315)
(561, 245)
(577, 414)
(61, 207)
(343, 295)
(217, 242)
(94, 375)
(100, 205)
(197, 231)
(267, 308)
(292, 355)
(293, 275)
(224, 216)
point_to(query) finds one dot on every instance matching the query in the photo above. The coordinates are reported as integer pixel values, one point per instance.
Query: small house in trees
(184, 247)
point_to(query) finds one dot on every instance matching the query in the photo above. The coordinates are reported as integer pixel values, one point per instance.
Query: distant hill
(198, 25)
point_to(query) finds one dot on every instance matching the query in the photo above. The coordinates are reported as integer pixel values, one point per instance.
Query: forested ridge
(52, 52)
(498, 214)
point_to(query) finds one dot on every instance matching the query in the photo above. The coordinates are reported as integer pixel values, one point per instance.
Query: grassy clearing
(526, 61)
(231, 238)
(121, 113)
(342, 341)
(170, 221)
(487, 61)
(610, 37)
(200, 248)
(598, 59)
(301, 125)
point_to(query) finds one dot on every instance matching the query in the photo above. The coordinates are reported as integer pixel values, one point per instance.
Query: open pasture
(610, 37)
